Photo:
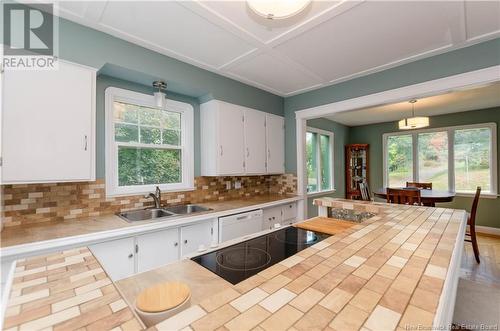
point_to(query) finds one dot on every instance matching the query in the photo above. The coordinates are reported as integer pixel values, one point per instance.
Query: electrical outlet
(228, 185)
(237, 184)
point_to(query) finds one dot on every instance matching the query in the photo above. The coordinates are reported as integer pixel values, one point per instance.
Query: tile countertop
(395, 269)
(36, 232)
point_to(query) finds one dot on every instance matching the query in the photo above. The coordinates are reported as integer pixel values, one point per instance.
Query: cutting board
(162, 297)
(325, 225)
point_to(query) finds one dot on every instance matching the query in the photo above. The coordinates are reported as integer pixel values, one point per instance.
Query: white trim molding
(186, 146)
(420, 90)
(488, 230)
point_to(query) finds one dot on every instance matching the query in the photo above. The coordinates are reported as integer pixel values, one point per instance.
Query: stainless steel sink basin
(144, 214)
(186, 209)
(153, 213)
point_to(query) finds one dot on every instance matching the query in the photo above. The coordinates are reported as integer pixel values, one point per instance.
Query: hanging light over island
(413, 122)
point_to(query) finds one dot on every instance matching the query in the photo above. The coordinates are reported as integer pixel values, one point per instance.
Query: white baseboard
(487, 230)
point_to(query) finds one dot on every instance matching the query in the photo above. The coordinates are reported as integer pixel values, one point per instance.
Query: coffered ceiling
(329, 42)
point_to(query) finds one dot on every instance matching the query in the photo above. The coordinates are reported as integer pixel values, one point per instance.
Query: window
(146, 146)
(456, 158)
(319, 160)
(400, 160)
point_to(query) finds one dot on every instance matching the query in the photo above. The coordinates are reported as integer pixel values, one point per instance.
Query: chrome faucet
(156, 197)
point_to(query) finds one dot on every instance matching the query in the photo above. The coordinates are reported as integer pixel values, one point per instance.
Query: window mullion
(451, 160)
(415, 157)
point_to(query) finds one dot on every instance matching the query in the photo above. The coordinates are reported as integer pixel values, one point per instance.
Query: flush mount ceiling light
(413, 122)
(159, 96)
(277, 9)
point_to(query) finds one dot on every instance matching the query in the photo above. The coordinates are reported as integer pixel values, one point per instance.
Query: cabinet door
(275, 131)
(47, 125)
(116, 257)
(271, 216)
(156, 249)
(255, 142)
(230, 139)
(196, 235)
(290, 211)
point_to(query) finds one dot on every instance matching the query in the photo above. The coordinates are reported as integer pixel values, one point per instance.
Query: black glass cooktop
(243, 260)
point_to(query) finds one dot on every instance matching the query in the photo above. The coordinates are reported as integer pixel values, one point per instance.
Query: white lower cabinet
(289, 213)
(282, 215)
(196, 236)
(270, 217)
(117, 257)
(122, 258)
(156, 249)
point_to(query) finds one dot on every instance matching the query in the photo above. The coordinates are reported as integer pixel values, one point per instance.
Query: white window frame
(451, 157)
(113, 94)
(318, 161)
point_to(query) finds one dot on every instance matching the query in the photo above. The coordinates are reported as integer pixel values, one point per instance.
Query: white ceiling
(453, 102)
(329, 42)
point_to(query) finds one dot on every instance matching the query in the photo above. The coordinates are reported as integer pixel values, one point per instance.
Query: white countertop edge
(47, 246)
(6, 286)
(446, 306)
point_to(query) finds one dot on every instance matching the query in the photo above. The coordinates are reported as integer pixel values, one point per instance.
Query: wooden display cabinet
(357, 169)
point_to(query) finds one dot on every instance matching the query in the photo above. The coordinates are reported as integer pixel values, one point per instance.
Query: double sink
(154, 213)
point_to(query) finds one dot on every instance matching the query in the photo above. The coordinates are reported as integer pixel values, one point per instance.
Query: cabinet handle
(185, 241)
(176, 244)
(136, 248)
(130, 255)
(269, 153)
(86, 140)
(221, 150)
(248, 152)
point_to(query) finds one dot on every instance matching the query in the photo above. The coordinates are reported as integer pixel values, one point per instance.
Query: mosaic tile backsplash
(30, 203)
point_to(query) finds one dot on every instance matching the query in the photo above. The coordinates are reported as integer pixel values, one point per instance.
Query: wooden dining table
(428, 197)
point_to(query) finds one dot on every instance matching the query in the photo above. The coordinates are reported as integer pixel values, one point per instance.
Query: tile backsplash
(31, 203)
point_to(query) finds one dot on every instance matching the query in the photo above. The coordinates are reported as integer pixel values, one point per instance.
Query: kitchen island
(397, 269)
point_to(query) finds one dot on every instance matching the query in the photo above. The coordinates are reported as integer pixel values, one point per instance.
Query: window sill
(315, 194)
(482, 196)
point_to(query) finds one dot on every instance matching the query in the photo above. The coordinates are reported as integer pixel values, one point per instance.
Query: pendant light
(277, 9)
(160, 96)
(413, 122)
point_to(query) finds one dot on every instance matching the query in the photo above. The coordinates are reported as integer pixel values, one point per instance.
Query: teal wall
(489, 209)
(104, 82)
(471, 58)
(341, 137)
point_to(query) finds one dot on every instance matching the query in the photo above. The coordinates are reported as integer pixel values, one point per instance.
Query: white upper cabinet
(275, 132)
(255, 142)
(48, 125)
(236, 141)
(222, 139)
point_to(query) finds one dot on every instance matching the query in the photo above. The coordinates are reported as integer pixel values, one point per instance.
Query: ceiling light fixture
(160, 96)
(277, 9)
(413, 122)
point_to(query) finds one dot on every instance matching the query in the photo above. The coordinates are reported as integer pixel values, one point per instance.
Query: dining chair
(425, 186)
(471, 222)
(404, 197)
(365, 191)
